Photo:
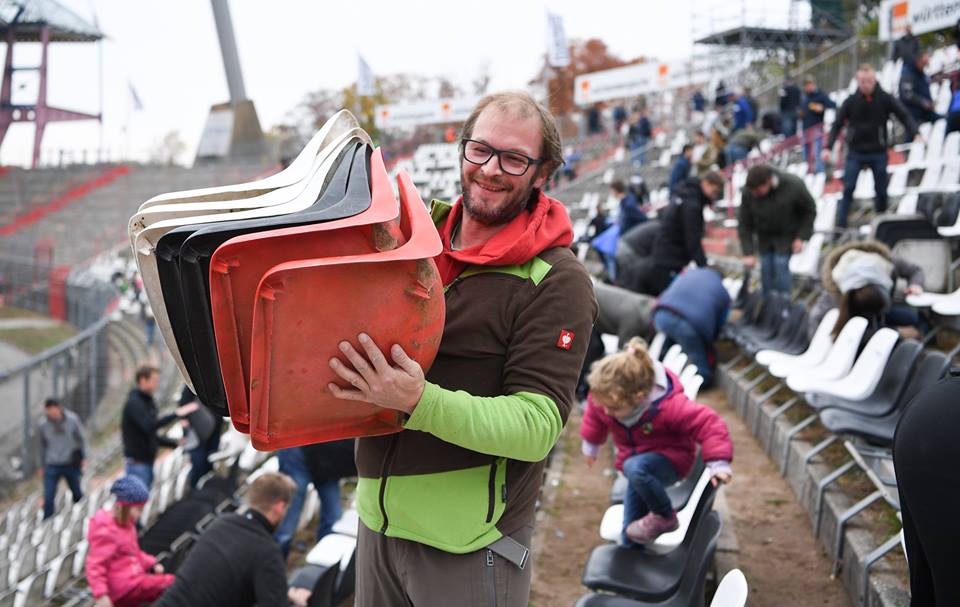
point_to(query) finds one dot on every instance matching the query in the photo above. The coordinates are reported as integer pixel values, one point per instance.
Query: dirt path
(783, 563)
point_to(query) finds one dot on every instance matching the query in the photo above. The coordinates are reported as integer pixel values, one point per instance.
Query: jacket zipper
(492, 490)
(384, 469)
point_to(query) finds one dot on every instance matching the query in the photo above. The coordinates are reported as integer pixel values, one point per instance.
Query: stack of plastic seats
(254, 285)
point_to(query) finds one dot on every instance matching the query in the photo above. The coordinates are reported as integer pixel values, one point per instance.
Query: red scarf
(542, 226)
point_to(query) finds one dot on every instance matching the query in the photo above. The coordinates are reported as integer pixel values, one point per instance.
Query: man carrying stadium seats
(915, 89)
(447, 505)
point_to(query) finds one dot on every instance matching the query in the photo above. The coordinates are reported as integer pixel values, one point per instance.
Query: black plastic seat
(894, 228)
(751, 310)
(647, 576)
(183, 263)
(893, 382)
(880, 430)
(794, 323)
(320, 580)
(690, 592)
(771, 317)
(679, 492)
(950, 210)
(928, 205)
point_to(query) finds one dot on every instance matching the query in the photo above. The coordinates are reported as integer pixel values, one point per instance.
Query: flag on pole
(137, 105)
(365, 85)
(558, 53)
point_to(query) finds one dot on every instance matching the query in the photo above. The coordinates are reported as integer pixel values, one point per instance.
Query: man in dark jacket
(907, 47)
(630, 212)
(865, 114)
(681, 168)
(815, 104)
(236, 563)
(140, 424)
(681, 230)
(691, 313)
(915, 89)
(776, 215)
(789, 107)
(633, 254)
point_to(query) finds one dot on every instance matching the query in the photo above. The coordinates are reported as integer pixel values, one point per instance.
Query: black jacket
(866, 120)
(789, 99)
(681, 228)
(773, 222)
(915, 90)
(906, 48)
(235, 563)
(139, 427)
(330, 461)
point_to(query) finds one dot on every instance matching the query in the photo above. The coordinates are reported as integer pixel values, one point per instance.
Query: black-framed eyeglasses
(511, 163)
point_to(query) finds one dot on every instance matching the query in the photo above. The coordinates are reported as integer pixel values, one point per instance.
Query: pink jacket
(672, 426)
(115, 564)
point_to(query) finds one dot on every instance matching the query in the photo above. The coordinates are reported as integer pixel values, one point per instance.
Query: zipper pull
(489, 558)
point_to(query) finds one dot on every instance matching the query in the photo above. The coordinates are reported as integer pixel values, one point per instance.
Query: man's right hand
(825, 155)
(749, 261)
(186, 409)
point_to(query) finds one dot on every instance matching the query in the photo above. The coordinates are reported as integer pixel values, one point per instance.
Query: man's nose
(492, 167)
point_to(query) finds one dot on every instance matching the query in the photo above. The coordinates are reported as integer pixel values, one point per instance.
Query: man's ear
(546, 169)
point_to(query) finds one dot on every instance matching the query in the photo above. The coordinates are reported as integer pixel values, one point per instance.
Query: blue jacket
(742, 113)
(914, 89)
(698, 295)
(811, 118)
(630, 213)
(681, 170)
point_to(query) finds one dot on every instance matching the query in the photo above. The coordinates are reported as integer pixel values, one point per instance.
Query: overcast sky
(170, 54)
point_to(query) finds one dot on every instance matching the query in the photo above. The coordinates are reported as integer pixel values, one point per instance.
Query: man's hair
(865, 67)
(524, 106)
(618, 187)
(51, 402)
(714, 178)
(809, 79)
(758, 175)
(686, 148)
(269, 489)
(145, 372)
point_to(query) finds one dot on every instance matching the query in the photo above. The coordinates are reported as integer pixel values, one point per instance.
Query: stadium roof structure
(767, 37)
(28, 17)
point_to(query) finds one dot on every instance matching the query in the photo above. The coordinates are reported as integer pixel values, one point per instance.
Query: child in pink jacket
(119, 573)
(655, 429)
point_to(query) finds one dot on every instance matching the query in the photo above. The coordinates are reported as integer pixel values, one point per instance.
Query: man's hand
(825, 155)
(83, 465)
(797, 245)
(376, 381)
(749, 261)
(591, 460)
(186, 409)
(158, 569)
(299, 596)
(721, 479)
(913, 290)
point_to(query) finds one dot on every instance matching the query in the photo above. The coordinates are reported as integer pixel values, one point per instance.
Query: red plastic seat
(238, 265)
(305, 308)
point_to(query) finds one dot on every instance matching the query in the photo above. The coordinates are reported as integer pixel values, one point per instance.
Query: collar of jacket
(256, 515)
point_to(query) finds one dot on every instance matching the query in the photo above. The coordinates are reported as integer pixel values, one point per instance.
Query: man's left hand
(797, 245)
(376, 381)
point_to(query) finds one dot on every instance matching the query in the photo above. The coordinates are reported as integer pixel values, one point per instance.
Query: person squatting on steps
(656, 430)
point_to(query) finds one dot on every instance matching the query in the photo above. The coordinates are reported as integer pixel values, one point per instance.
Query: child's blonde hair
(621, 376)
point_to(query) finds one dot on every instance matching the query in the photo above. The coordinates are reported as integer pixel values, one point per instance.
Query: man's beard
(501, 215)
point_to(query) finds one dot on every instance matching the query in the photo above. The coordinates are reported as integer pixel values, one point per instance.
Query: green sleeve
(522, 426)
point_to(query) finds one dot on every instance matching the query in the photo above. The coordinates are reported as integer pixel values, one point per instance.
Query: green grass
(14, 312)
(34, 341)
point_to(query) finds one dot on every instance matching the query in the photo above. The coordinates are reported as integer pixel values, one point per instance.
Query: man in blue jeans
(140, 424)
(691, 312)
(865, 114)
(63, 448)
(776, 215)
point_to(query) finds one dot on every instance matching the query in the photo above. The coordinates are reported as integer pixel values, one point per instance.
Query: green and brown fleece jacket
(467, 468)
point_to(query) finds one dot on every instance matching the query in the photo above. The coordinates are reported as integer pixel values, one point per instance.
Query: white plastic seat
(826, 218)
(30, 590)
(677, 363)
(612, 524)
(688, 373)
(781, 363)
(692, 388)
(948, 307)
(807, 262)
(331, 550)
(837, 363)
(656, 346)
(670, 357)
(935, 142)
(348, 524)
(311, 505)
(732, 591)
(863, 377)
(927, 300)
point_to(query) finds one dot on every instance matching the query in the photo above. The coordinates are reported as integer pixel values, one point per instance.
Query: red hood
(543, 226)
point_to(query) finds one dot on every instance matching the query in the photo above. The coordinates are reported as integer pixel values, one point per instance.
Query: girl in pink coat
(119, 573)
(656, 430)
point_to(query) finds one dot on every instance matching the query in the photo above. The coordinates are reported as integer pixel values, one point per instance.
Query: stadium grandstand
(775, 215)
